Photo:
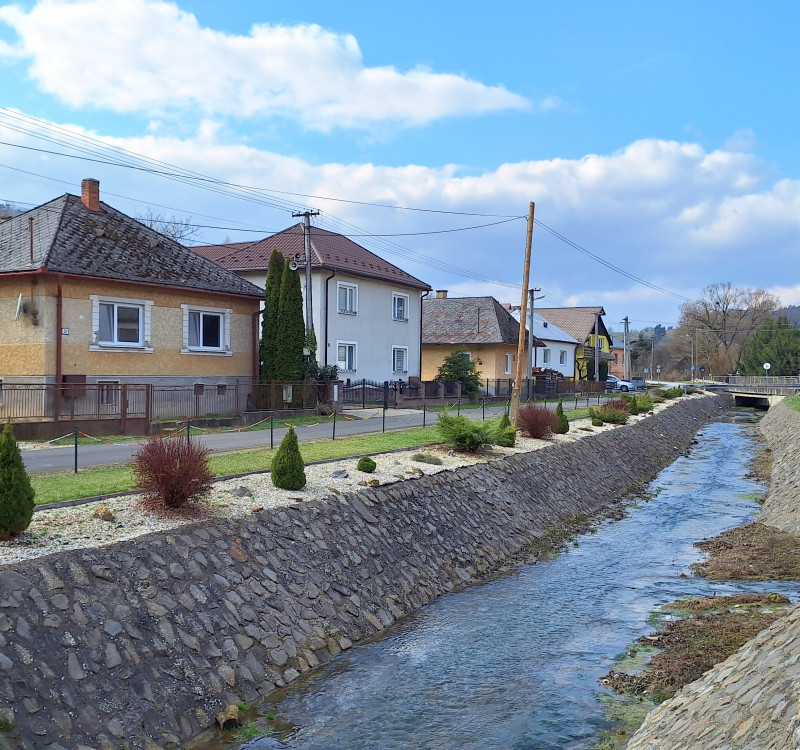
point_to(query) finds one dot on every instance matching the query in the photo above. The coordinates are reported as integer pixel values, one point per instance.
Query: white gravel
(77, 527)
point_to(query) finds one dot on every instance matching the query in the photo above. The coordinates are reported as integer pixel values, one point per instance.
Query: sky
(657, 140)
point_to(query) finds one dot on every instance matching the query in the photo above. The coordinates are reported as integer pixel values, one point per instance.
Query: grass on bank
(59, 487)
(794, 402)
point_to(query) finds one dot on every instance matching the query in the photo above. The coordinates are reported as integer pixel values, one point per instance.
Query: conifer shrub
(644, 402)
(16, 493)
(288, 469)
(675, 392)
(563, 422)
(427, 458)
(366, 464)
(633, 406)
(462, 433)
(537, 422)
(597, 422)
(172, 472)
(608, 415)
(505, 434)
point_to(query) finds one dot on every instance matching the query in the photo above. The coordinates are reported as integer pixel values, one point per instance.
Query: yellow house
(93, 299)
(584, 324)
(481, 325)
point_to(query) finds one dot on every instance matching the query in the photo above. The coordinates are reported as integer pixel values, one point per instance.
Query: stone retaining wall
(138, 644)
(752, 700)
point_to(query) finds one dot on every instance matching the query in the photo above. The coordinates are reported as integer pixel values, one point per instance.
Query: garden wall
(139, 644)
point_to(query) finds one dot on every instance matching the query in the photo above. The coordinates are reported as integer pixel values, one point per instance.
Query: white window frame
(352, 293)
(225, 313)
(545, 356)
(509, 362)
(406, 305)
(145, 316)
(403, 349)
(562, 357)
(354, 368)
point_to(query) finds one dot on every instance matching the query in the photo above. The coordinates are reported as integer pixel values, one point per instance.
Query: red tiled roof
(328, 250)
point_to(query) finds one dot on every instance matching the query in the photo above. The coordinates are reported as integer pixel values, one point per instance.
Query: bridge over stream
(759, 392)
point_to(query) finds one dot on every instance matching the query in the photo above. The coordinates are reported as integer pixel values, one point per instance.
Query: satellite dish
(292, 265)
(20, 307)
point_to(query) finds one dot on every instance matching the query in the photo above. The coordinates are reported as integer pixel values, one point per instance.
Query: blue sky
(658, 136)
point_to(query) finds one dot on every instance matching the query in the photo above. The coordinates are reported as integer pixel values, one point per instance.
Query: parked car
(618, 384)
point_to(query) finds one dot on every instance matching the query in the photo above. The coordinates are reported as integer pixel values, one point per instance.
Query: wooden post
(514, 407)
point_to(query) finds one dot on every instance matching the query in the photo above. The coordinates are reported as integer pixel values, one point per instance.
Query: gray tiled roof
(578, 322)
(467, 320)
(69, 238)
(328, 250)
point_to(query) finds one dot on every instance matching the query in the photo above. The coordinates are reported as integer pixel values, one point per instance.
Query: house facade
(91, 297)
(366, 312)
(559, 350)
(481, 325)
(585, 325)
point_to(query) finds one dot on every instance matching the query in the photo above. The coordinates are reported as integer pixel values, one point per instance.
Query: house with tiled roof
(481, 325)
(558, 348)
(586, 326)
(366, 311)
(89, 295)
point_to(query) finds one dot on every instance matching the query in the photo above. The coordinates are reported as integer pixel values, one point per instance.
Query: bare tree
(180, 230)
(721, 322)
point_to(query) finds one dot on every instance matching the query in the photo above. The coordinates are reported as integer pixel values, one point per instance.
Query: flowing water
(514, 663)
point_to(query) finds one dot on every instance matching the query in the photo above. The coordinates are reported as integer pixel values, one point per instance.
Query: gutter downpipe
(325, 344)
(421, 299)
(59, 352)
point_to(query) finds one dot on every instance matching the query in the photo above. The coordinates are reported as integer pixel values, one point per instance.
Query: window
(348, 299)
(346, 356)
(509, 358)
(400, 360)
(467, 356)
(545, 356)
(206, 330)
(400, 307)
(562, 357)
(120, 323)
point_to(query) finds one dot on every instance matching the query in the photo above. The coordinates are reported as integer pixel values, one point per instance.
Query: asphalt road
(357, 422)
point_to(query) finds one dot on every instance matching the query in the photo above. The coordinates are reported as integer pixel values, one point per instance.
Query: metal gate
(365, 393)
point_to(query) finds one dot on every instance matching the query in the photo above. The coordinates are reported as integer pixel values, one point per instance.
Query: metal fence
(778, 381)
(500, 388)
(40, 402)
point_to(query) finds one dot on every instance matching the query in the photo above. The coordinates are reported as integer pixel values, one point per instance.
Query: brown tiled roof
(578, 322)
(467, 320)
(328, 250)
(106, 244)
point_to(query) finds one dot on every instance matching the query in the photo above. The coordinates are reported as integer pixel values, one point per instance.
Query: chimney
(90, 194)
(441, 294)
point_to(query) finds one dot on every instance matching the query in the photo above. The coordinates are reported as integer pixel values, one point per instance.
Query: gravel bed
(80, 527)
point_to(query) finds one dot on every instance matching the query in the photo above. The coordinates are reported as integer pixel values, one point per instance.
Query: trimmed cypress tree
(269, 319)
(291, 328)
(563, 422)
(505, 435)
(16, 493)
(288, 469)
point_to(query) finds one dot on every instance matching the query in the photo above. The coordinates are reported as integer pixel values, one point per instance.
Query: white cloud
(671, 213)
(150, 57)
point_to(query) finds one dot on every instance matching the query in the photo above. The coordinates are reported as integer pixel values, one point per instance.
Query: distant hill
(7, 210)
(792, 313)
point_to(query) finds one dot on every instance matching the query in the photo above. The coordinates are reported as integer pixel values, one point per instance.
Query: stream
(514, 663)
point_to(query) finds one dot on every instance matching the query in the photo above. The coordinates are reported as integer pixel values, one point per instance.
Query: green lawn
(91, 482)
(794, 402)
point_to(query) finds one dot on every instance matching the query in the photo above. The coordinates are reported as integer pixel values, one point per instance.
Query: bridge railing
(779, 381)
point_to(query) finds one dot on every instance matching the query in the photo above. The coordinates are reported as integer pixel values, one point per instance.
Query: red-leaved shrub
(171, 472)
(618, 404)
(537, 422)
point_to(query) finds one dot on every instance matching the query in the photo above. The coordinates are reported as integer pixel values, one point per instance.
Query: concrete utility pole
(597, 348)
(626, 365)
(514, 405)
(307, 247)
(531, 347)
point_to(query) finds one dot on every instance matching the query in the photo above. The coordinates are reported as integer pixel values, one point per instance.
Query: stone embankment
(139, 644)
(752, 700)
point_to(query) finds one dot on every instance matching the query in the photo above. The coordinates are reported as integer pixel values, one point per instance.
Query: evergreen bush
(288, 469)
(505, 434)
(633, 405)
(16, 493)
(462, 433)
(291, 338)
(172, 471)
(563, 422)
(427, 458)
(269, 320)
(597, 422)
(607, 414)
(459, 366)
(366, 464)
(537, 422)
(644, 402)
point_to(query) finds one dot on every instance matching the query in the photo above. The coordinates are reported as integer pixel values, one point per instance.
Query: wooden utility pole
(514, 406)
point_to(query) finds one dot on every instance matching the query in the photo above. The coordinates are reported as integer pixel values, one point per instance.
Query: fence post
(384, 419)
(75, 435)
(188, 431)
(483, 409)
(424, 414)
(363, 393)
(458, 407)
(333, 437)
(385, 395)
(271, 431)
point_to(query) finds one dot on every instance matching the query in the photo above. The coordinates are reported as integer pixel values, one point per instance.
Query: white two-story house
(366, 311)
